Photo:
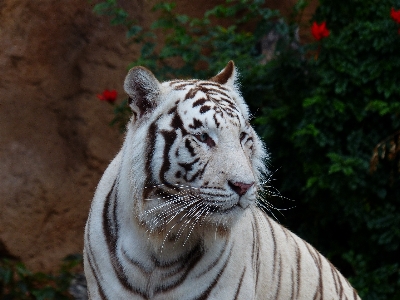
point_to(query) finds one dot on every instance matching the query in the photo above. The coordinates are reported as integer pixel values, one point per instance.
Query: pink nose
(240, 188)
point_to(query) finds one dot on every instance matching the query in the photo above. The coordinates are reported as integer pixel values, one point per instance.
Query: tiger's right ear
(143, 89)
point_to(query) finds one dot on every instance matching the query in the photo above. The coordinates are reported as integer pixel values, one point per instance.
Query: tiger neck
(165, 247)
(164, 268)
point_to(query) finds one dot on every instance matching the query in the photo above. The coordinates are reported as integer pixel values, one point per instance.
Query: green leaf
(133, 30)
(312, 101)
(105, 8)
(45, 293)
(309, 129)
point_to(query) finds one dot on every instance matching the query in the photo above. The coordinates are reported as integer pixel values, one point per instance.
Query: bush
(328, 112)
(18, 283)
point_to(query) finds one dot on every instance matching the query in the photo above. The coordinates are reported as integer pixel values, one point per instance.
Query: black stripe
(187, 263)
(207, 292)
(169, 139)
(274, 240)
(204, 109)
(89, 256)
(278, 288)
(321, 282)
(317, 263)
(196, 124)
(190, 148)
(214, 262)
(298, 268)
(135, 263)
(93, 267)
(150, 147)
(293, 283)
(110, 230)
(191, 93)
(334, 277)
(185, 84)
(189, 166)
(199, 173)
(256, 249)
(341, 291)
(199, 102)
(214, 84)
(177, 123)
(216, 121)
(239, 285)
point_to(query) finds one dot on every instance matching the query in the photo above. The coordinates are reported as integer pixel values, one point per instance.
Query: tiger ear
(227, 76)
(143, 89)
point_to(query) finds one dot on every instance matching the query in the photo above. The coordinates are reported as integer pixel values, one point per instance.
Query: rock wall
(55, 141)
(54, 136)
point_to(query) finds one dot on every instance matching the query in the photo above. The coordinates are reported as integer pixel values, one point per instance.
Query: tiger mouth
(220, 209)
(222, 205)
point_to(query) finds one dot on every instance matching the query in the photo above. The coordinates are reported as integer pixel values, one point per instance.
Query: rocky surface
(54, 136)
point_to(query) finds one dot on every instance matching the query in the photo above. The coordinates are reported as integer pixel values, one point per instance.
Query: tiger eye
(205, 138)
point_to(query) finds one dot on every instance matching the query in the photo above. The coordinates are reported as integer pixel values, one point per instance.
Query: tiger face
(203, 160)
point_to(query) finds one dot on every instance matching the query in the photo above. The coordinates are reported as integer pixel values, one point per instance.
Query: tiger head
(193, 155)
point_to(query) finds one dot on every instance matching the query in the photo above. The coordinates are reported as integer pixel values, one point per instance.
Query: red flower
(319, 31)
(395, 14)
(109, 96)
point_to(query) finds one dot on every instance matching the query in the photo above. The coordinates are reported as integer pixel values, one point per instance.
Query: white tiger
(175, 214)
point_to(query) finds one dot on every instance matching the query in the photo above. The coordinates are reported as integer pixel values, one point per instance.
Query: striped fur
(175, 215)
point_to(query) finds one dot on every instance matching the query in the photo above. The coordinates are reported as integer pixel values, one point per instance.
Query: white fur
(257, 258)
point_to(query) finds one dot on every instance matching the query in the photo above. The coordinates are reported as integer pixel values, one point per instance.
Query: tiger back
(175, 214)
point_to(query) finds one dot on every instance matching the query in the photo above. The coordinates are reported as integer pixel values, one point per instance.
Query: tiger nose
(240, 188)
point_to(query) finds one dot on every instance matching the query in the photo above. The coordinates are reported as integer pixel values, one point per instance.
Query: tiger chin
(175, 214)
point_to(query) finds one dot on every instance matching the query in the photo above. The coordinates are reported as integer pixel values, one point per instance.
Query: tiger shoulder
(176, 214)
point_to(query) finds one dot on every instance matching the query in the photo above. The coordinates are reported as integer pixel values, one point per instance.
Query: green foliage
(324, 110)
(121, 115)
(202, 47)
(18, 283)
(118, 16)
(359, 97)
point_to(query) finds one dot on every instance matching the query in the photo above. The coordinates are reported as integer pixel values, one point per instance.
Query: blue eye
(205, 138)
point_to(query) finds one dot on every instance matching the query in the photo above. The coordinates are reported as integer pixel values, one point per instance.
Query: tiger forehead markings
(210, 96)
(205, 108)
(175, 215)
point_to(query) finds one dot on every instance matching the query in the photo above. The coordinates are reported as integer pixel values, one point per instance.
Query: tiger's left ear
(227, 76)
(143, 89)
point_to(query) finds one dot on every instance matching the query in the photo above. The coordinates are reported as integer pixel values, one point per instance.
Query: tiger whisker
(201, 211)
(173, 213)
(176, 199)
(170, 230)
(273, 192)
(267, 207)
(160, 218)
(189, 217)
(179, 208)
